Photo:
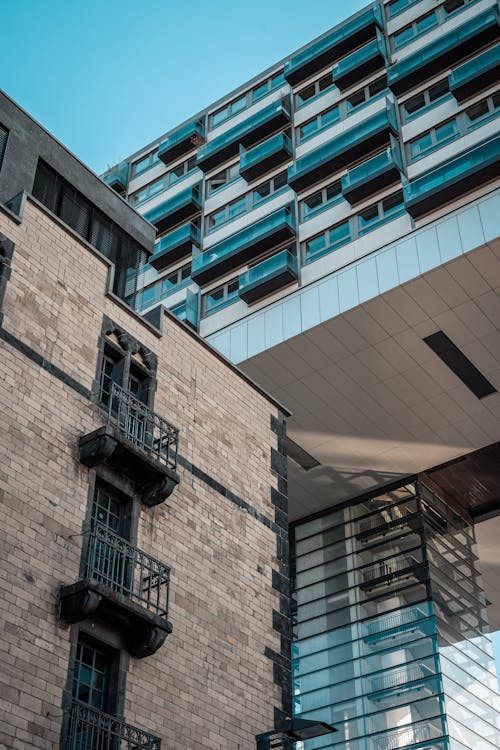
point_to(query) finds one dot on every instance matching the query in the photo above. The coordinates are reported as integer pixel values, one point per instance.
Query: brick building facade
(80, 524)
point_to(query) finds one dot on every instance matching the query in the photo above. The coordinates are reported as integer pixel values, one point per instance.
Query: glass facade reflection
(391, 641)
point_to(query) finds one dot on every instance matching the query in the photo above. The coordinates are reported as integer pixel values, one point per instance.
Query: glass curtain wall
(390, 632)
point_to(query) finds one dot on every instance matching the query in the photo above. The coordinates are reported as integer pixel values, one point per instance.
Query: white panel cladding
(473, 10)
(183, 184)
(359, 115)
(273, 96)
(453, 149)
(318, 104)
(366, 278)
(409, 15)
(429, 118)
(248, 219)
(144, 178)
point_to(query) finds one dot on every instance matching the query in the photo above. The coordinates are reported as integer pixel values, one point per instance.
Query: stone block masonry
(213, 684)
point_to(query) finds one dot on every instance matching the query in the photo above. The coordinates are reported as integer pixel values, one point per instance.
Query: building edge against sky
(332, 227)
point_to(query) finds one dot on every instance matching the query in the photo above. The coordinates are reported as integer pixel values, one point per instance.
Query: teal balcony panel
(351, 145)
(361, 63)
(453, 178)
(446, 51)
(476, 74)
(189, 312)
(267, 277)
(247, 133)
(339, 42)
(118, 177)
(180, 207)
(264, 157)
(175, 245)
(184, 139)
(263, 235)
(373, 175)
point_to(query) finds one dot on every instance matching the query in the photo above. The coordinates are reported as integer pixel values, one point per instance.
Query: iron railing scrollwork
(116, 563)
(141, 426)
(92, 729)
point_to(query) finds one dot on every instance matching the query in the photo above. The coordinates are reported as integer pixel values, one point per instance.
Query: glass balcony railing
(175, 245)
(238, 249)
(246, 133)
(266, 277)
(340, 41)
(267, 155)
(361, 63)
(350, 145)
(184, 139)
(373, 175)
(91, 729)
(445, 51)
(118, 177)
(173, 210)
(475, 74)
(453, 178)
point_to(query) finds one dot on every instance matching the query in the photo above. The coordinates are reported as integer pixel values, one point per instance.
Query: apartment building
(332, 228)
(144, 537)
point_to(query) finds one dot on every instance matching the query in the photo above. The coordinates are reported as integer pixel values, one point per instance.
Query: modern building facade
(143, 544)
(332, 228)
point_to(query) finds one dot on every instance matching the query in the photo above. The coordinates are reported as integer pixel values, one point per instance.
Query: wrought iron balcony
(91, 729)
(373, 175)
(118, 177)
(175, 245)
(238, 249)
(136, 442)
(453, 178)
(273, 273)
(264, 157)
(352, 144)
(445, 51)
(252, 130)
(361, 63)
(184, 139)
(123, 585)
(337, 43)
(475, 74)
(172, 211)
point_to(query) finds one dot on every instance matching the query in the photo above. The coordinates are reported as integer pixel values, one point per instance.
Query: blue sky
(107, 76)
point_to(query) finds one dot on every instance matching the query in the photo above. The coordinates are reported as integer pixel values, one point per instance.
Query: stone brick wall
(211, 684)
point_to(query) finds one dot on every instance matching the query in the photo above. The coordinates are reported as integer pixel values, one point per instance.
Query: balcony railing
(396, 620)
(253, 129)
(338, 153)
(397, 678)
(172, 211)
(383, 569)
(175, 245)
(266, 277)
(264, 157)
(475, 74)
(361, 63)
(118, 177)
(373, 175)
(238, 249)
(447, 50)
(91, 729)
(184, 139)
(404, 737)
(117, 564)
(453, 178)
(338, 42)
(139, 425)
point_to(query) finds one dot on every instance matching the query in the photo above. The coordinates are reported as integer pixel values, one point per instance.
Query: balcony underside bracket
(155, 482)
(144, 632)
